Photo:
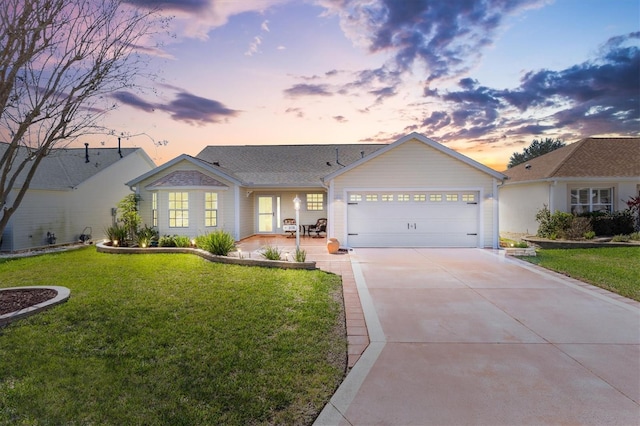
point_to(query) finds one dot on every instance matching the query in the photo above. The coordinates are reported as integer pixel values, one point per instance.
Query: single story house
(74, 191)
(414, 192)
(593, 174)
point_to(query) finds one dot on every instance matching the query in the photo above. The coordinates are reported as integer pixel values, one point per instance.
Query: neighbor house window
(315, 202)
(585, 200)
(154, 209)
(178, 209)
(210, 209)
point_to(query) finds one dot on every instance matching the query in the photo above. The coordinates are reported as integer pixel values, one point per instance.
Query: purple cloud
(594, 97)
(189, 6)
(299, 90)
(447, 37)
(184, 107)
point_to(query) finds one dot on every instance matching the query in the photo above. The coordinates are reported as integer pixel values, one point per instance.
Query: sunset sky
(482, 77)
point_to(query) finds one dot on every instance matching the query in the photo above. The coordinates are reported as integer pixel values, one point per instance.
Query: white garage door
(413, 219)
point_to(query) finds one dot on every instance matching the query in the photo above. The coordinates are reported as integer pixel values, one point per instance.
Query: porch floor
(339, 264)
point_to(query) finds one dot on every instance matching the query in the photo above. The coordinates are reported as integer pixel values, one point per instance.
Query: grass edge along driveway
(616, 269)
(171, 339)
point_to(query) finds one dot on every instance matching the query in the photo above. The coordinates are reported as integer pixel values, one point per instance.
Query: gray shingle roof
(67, 168)
(284, 165)
(590, 157)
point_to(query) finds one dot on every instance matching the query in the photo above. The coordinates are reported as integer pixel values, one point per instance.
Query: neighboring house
(73, 189)
(593, 174)
(412, 193)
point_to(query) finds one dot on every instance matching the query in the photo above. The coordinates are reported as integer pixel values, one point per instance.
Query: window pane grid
(315, 202)
(178, 209)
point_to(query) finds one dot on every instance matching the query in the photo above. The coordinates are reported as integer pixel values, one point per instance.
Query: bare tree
(59, 61)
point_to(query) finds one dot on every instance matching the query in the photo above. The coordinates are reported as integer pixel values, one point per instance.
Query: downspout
(552, 204)
(236, 212)
(496, 211)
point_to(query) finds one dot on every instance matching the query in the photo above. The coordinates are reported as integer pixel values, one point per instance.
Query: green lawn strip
(171, 339)
(613, 268)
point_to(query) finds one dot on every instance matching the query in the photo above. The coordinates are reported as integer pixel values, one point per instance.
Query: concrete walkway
(467, 336)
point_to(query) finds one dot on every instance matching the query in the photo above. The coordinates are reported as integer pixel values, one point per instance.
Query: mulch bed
(18, 299)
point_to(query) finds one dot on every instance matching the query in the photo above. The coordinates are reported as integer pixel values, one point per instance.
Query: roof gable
(587, 158)
(195, 161)
(184, 178)
(426, 141)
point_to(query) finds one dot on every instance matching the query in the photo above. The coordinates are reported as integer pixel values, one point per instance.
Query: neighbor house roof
(66, 168)
(587, 158)
(284, 165)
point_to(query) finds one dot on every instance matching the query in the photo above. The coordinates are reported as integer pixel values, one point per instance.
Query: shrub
(129, 216)
(620, 238)
(301, 255)
(589, 235)
(635, 236)
(146, 235)
(117, 235)
(219, 243)
(553, 225)
(167, 241)
(612, 223)
(271, 253)
(578, 228)
(182, 241)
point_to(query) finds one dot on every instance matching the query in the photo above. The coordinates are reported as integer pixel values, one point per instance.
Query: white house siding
(226, 201)
(414, 166)
(95, 197)
(519, 205)
(519, 202)
(66, 213)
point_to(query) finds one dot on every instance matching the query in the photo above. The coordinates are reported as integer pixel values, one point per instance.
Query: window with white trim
(355, 197)
(419, 197)
(435, 198)
(584, 200)
(451, 197)
(469, 198)
(154, 209)
(315, 202)
(178, 210)
(211, 209)
(371, 197)
(387, 197)
(403, 197)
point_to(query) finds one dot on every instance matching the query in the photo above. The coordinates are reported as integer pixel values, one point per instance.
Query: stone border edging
(61, 297)
(103, 248)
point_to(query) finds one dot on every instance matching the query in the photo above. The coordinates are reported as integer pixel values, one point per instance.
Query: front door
(266, 213)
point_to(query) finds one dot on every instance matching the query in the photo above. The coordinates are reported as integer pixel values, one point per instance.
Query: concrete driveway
(467, 336)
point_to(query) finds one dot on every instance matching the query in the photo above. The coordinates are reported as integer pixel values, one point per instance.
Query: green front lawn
(613, 268)
(171, 339)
